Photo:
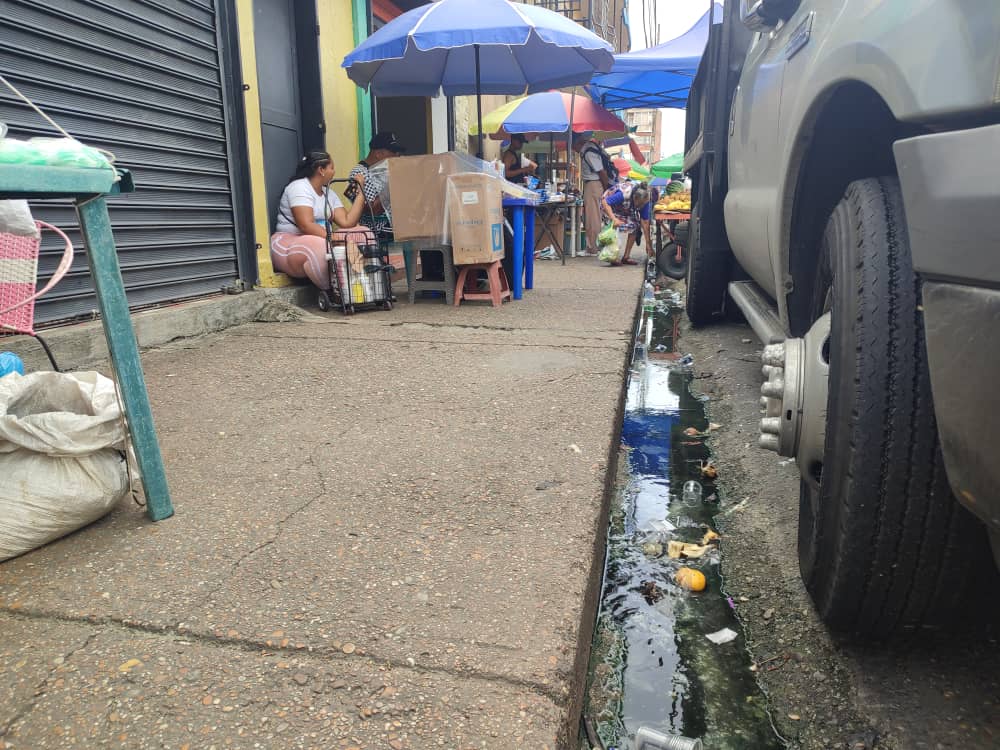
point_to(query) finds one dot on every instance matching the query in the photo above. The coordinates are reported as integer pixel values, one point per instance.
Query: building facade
(209, 103)
(646, 125)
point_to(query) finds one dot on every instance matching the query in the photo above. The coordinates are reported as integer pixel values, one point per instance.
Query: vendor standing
(595, 182)
(515, 168)
(381, 147)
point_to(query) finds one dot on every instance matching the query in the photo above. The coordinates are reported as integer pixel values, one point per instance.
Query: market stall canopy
(631, 169)
(656, 77)
(464, 47)
(549, 112)
(669, 166)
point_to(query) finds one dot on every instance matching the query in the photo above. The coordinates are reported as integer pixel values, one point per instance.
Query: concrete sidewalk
(389, 534)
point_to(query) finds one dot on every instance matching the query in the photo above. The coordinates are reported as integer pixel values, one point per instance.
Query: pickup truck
(845, 158)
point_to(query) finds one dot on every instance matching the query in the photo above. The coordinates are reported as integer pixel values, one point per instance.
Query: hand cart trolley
(360, 272)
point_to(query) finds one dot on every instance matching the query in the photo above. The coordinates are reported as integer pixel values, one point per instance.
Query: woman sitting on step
(298, 246)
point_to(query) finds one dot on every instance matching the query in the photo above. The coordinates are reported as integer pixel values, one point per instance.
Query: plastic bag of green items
(51, 152)
(608, 254)
(608, 235)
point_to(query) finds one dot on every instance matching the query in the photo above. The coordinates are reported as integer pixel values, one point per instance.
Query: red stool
(465, 286)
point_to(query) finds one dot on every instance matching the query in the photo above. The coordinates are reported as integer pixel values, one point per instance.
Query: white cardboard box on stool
(475, 215)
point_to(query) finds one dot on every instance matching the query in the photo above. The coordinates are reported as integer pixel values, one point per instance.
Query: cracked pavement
(389, 534)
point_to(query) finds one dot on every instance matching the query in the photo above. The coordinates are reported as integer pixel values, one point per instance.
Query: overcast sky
(674, 17)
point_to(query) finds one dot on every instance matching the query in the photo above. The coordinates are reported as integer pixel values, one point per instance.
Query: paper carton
(417, 185)
(475, 215)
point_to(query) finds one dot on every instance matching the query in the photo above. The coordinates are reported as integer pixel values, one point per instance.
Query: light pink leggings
(301, 256)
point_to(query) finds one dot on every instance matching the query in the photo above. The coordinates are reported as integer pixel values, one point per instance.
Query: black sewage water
(653, 664)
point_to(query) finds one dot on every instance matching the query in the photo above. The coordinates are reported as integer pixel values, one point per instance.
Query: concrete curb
(82, 345)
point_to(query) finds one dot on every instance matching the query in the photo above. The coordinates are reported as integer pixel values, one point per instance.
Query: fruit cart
(672, 255)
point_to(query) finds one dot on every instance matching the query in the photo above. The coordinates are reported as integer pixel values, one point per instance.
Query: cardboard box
(475, 214)
(556, 224)
(417, 188)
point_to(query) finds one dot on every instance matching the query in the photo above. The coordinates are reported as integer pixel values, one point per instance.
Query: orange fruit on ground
(691, 579)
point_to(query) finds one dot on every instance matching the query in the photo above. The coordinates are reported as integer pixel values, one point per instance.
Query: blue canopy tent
(656, 77)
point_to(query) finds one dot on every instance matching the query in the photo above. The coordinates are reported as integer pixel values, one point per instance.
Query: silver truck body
(934, 66)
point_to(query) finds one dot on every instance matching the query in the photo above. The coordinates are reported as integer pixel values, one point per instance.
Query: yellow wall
(336, 39)
(340, 101)
(255, 149)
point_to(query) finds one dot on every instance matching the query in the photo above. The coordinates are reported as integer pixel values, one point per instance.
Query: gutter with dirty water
(664, 657)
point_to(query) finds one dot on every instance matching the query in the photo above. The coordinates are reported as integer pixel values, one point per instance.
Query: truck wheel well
(848, 138)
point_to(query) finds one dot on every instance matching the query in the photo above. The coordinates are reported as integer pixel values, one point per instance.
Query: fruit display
(678, 202)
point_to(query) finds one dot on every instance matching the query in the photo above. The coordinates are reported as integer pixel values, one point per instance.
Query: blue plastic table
(87, 188)
(523, 221)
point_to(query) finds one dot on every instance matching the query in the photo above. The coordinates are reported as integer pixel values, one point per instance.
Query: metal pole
(479, 103)
(95, 227)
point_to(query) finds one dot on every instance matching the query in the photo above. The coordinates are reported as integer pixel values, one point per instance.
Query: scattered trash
(657, 528)
(739, 506)
(768, 614)
(659, 348)
(677, 550)
(129, 666)
(691, 579)
(692, 492)
(747, 341)
(10, 362)
(710, 536)
(722, 636)
(652, 549)
(687, 359)
(649, 739)
(60, 440)
(691, 432)
(794, 717)
(712, 426)
(708, 470)
(651, 592)
(575, 448)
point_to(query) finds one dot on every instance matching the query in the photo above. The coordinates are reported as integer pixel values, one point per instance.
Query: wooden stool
(465, 287)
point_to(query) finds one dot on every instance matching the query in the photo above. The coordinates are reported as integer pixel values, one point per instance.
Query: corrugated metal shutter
(140, 78)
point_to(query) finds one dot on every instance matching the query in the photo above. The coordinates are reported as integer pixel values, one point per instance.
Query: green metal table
(88, 188)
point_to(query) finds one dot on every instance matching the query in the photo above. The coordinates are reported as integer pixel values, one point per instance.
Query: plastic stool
(465, 287)
(414, 285)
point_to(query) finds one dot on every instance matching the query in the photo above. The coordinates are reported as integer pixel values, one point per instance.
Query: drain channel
(653, 664)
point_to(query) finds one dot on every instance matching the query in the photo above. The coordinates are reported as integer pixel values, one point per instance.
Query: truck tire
(709, 263)
(883, 545)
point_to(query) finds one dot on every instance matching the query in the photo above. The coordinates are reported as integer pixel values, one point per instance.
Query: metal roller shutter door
(142, 79)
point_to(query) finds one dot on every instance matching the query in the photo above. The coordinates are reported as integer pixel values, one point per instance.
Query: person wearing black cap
(381, 147)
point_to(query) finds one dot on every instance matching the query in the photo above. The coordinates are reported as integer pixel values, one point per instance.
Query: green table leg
(100, 243)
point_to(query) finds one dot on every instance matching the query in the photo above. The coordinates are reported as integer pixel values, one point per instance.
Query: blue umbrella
(477, 47)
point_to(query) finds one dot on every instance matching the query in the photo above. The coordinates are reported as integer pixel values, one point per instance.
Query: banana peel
(677, 550)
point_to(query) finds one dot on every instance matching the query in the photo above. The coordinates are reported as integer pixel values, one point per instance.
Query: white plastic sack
(60, 466)
(15, 218)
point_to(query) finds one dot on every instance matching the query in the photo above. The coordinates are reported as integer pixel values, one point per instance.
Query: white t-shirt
(301, 193)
